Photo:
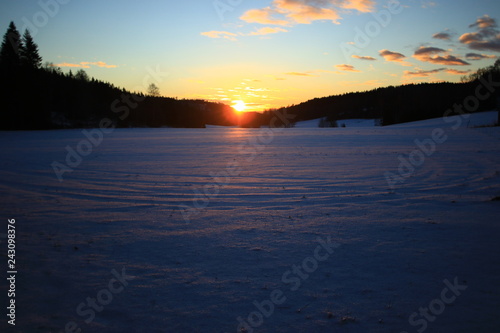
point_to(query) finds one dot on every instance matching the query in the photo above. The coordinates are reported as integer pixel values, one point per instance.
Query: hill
(36, 97)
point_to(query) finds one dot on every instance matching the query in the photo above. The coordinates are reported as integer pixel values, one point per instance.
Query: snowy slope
(273, 200)
(475, 119)
(467, 120)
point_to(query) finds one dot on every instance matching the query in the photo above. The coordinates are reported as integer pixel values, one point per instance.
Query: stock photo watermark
(436, 307)
(11, 270)
(222, 178)
(408, 164)
(93, 138)
(87, 310)
(372, 29)
(223, 6)
(293, 278)
(49, 9)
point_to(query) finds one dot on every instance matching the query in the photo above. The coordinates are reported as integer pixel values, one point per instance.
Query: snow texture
(122, 212)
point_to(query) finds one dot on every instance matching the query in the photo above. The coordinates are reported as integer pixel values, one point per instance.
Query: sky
(265, 53)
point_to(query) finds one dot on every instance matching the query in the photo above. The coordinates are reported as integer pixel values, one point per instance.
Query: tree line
(399, 104)
(36, 96)
(394, 104)
(40, 96)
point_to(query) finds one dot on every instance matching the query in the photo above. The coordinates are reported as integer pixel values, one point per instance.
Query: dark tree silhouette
(81, 75)
(43, 97)
(153, 90)
(30, 57)
(10, 49)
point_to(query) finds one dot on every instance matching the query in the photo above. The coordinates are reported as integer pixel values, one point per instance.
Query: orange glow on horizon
(239, 106)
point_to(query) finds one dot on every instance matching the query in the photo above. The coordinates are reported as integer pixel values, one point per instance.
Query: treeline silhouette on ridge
(36, 97)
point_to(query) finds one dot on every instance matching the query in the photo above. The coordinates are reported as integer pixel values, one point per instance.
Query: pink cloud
(457, 72)
(363, 57)
(433, 56)
(263, 16)
(477, 56)
(347, 68)
(394, 57)
(487, 36)
(290, 12)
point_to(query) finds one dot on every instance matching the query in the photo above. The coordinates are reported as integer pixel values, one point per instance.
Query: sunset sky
(263, 52)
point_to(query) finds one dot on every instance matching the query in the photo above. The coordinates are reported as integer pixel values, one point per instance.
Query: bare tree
(153, 90)
(82, 76)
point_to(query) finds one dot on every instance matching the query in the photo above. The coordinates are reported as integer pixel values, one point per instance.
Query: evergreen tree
(10, 49)
(30, 56)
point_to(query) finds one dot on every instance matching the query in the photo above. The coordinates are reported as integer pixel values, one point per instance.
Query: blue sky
(264, 52)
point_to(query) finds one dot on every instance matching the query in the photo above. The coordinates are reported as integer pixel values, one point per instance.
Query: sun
(239, 106)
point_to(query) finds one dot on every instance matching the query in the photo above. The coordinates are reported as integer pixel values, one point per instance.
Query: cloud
(477, 56)
(429, 4)
(487, 36)
(422, 73)
(364, 6)
(263, 16)
(256, 89)
(363, 57)
(232, 36)
(220, 34)
(267, 31)
(99, 64)
(432, 55)
(347, 68)
(66, 64)
(449, 60)
(470, 37)
(86, 64)
(394, 57)
(442, 35)
(330, 72)
(477, 42)
(305, 12)
(299, 73)
(291, 12)
(484, 22)
(487, 45)
(457, 72)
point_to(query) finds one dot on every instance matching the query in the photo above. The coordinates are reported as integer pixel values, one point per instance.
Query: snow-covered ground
(301, 230)
(465, 121)
(472, 120)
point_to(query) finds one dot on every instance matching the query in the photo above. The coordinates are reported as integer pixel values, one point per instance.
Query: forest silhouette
(38, 97)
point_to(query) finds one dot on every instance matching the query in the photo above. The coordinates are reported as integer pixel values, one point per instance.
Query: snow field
(119, 210)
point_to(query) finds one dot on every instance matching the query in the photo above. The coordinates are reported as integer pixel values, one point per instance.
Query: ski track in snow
(120, 209)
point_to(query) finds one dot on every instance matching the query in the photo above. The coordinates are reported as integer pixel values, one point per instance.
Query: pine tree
(29, 52)
(10, 49)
